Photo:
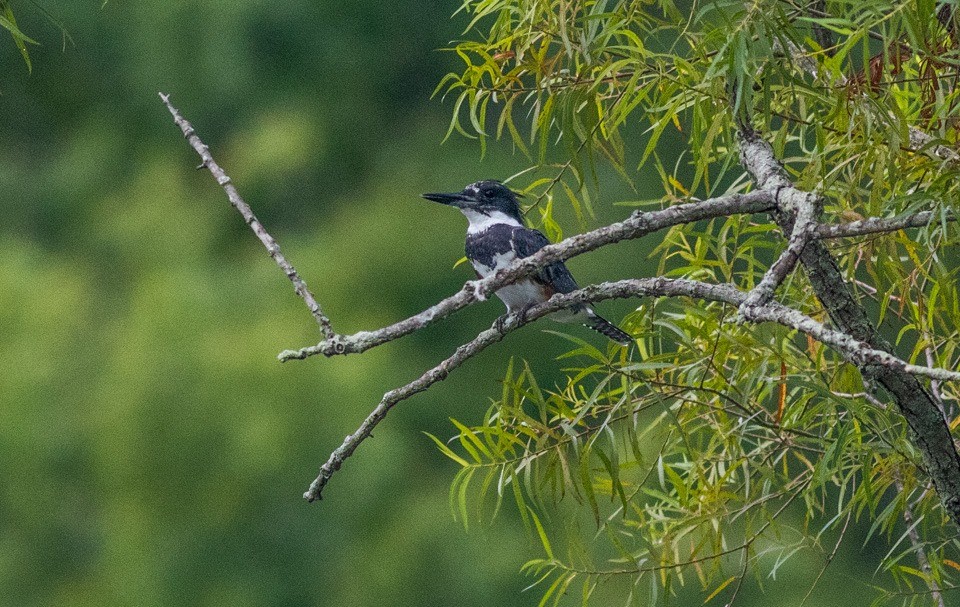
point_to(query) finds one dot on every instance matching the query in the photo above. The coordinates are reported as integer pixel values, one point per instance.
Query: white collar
(481, 221)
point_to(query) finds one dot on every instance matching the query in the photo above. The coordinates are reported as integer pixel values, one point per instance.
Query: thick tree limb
(857, 352)
(637, 225)
(238, 203)
(929, 431)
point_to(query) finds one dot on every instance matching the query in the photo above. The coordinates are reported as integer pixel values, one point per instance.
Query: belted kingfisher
(497, 235)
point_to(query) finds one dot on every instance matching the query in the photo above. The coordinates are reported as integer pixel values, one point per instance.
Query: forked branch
(929, 430)
(637, 225)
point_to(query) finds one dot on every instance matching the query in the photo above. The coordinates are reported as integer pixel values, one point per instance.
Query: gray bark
(928, 429)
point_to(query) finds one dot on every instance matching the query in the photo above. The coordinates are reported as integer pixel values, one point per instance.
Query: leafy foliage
(9, 22)
(712, 450)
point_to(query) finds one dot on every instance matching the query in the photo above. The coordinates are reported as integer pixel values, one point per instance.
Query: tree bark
(928, 428)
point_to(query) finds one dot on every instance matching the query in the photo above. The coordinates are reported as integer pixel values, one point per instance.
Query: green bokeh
(154, 450)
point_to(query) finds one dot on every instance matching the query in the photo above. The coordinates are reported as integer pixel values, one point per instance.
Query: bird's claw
(520, 317)
(522, 313)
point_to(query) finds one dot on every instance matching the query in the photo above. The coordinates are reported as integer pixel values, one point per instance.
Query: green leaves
(683, 455)
(9, 22)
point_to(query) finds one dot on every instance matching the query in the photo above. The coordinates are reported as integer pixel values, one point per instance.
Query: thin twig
(832, 555)
(740, 578)
(922, 560)
(801, 482)
(238, 203)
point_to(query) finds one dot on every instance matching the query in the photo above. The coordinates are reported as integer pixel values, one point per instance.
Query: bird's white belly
(520, 294)
(517, 295)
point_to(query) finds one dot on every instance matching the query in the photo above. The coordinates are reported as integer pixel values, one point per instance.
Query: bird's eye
(489, 193)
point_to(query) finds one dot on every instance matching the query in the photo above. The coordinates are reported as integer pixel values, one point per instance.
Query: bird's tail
(601, 325)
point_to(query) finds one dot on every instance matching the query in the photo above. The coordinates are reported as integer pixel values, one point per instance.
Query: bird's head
(484, 198)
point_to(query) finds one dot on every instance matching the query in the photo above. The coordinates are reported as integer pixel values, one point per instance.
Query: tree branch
(929, 431)
(637, 225)
(922, 560)
(474, 291)
(921, 141)
(807, 208)
(856, 340)
(238, 203)
(875, 225)
(852, 350)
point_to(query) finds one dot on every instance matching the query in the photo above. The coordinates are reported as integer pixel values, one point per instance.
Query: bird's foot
(520, 316)
(522, 313)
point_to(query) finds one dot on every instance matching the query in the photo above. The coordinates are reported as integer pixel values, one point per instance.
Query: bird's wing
(526, 242)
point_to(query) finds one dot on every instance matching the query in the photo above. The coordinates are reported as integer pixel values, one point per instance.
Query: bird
(497, 235)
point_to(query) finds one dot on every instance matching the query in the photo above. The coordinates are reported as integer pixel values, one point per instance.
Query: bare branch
(922, 141)
(637, 225)
(391, 398)
(758, 159)
(798, 56)
(807, 208)
(857, 352)
(238, 203)
(860, 353)
(875, 225)
(928, 353)
(754, 202)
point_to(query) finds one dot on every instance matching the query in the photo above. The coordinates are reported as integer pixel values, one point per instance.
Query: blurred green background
(154, 449)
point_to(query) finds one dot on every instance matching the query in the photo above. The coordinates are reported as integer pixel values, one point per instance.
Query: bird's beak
(454, 200)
